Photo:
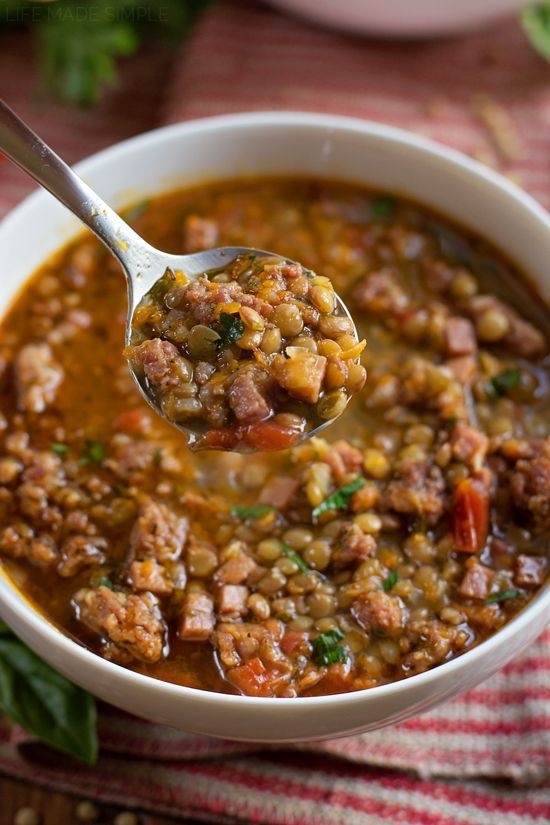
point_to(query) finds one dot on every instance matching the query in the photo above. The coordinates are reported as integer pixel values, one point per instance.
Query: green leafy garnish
(327, 649)
(94, 454)
(390, 581)
(296, 558)
(136, 211)
(339, 500)
(382, 208)
(105, 581)
(231, 329)
(503, 596)
(251, 512)
(535, 20)
(504, 381)
(43, 702)
(59, 449)
(157, 457)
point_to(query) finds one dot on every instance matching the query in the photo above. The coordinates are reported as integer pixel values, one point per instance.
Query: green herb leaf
(135, 212)
(232, 328)
(157, 457)
(503, 596)
(535, 20)
(296, 558)
(504, 381)
(327, 649)
(339, 500)
(105, 581)
(382, 208)
(46, 704)
(95, 453)
(59, 449)
(251, 512)
(390, 581)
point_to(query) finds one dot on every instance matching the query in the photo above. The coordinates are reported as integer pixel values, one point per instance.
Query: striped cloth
(484, 757)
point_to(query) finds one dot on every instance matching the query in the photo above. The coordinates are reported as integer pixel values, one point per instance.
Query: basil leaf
(95, 453)
(44, 703)
(251, 512)
(382, 208)
(505, 380)
(339, 500)
(327, 650)
(503, 596)
(231, 330)
(390, 581)
(296, 558)
(59, 449)
(535, 20)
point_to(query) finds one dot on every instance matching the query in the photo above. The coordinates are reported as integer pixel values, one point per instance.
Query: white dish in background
(280, 143)
(402, 18)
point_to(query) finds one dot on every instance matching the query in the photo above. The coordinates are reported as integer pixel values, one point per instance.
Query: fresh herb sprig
(43, 702)
(327, 649)
(251, 512)
(80, 45)
(340, 499)
(296, 558)
(506, 380)
(231, 328)
(390, 581)
(503, 596)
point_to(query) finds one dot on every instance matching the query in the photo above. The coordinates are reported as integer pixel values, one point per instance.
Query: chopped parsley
(94, 454)
(503, 596)
(382, 208)
(251, 512)
(504, 381)
(390, 581)
(59, 449)
(157, 457)
(231, 330)
(296, 558)
(339, 500)
(327, 649)
(105, 581)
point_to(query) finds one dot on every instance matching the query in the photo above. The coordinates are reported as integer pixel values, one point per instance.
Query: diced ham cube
(279, 492)
(469, 445)
(247, 396)
(460, 337)
(158, 533)
(530, 571)
(301, 374)
(232, 600)
(150, 575)
(236, 569)
(477, 581)
(380, 612)
(197, 621)
(463, 367)
(161, 363)
(381, 293)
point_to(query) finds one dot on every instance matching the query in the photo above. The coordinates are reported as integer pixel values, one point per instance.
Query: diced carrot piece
(252, 678)
(291, 641)
(221, 439)
(268, 435)
(131, 421)
(470, 515)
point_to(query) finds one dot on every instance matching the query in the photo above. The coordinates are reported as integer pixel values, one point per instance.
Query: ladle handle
(22, 146)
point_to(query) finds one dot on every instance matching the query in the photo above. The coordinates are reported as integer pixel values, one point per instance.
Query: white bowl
(280, 143)
(401, 18)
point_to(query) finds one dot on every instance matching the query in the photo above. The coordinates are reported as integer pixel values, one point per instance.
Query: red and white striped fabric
(485, 757)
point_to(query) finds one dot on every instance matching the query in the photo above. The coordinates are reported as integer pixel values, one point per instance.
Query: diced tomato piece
(292, 640)
(268, 435)
(252, 678)
(221, 439)
(132, 421)
(470, 515)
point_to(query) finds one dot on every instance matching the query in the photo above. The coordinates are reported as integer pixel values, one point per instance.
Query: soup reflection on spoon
(239, 348)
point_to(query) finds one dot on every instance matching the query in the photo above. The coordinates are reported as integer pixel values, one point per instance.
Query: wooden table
(58, 808)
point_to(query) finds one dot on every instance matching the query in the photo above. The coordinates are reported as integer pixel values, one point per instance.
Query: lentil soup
(411, 531)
